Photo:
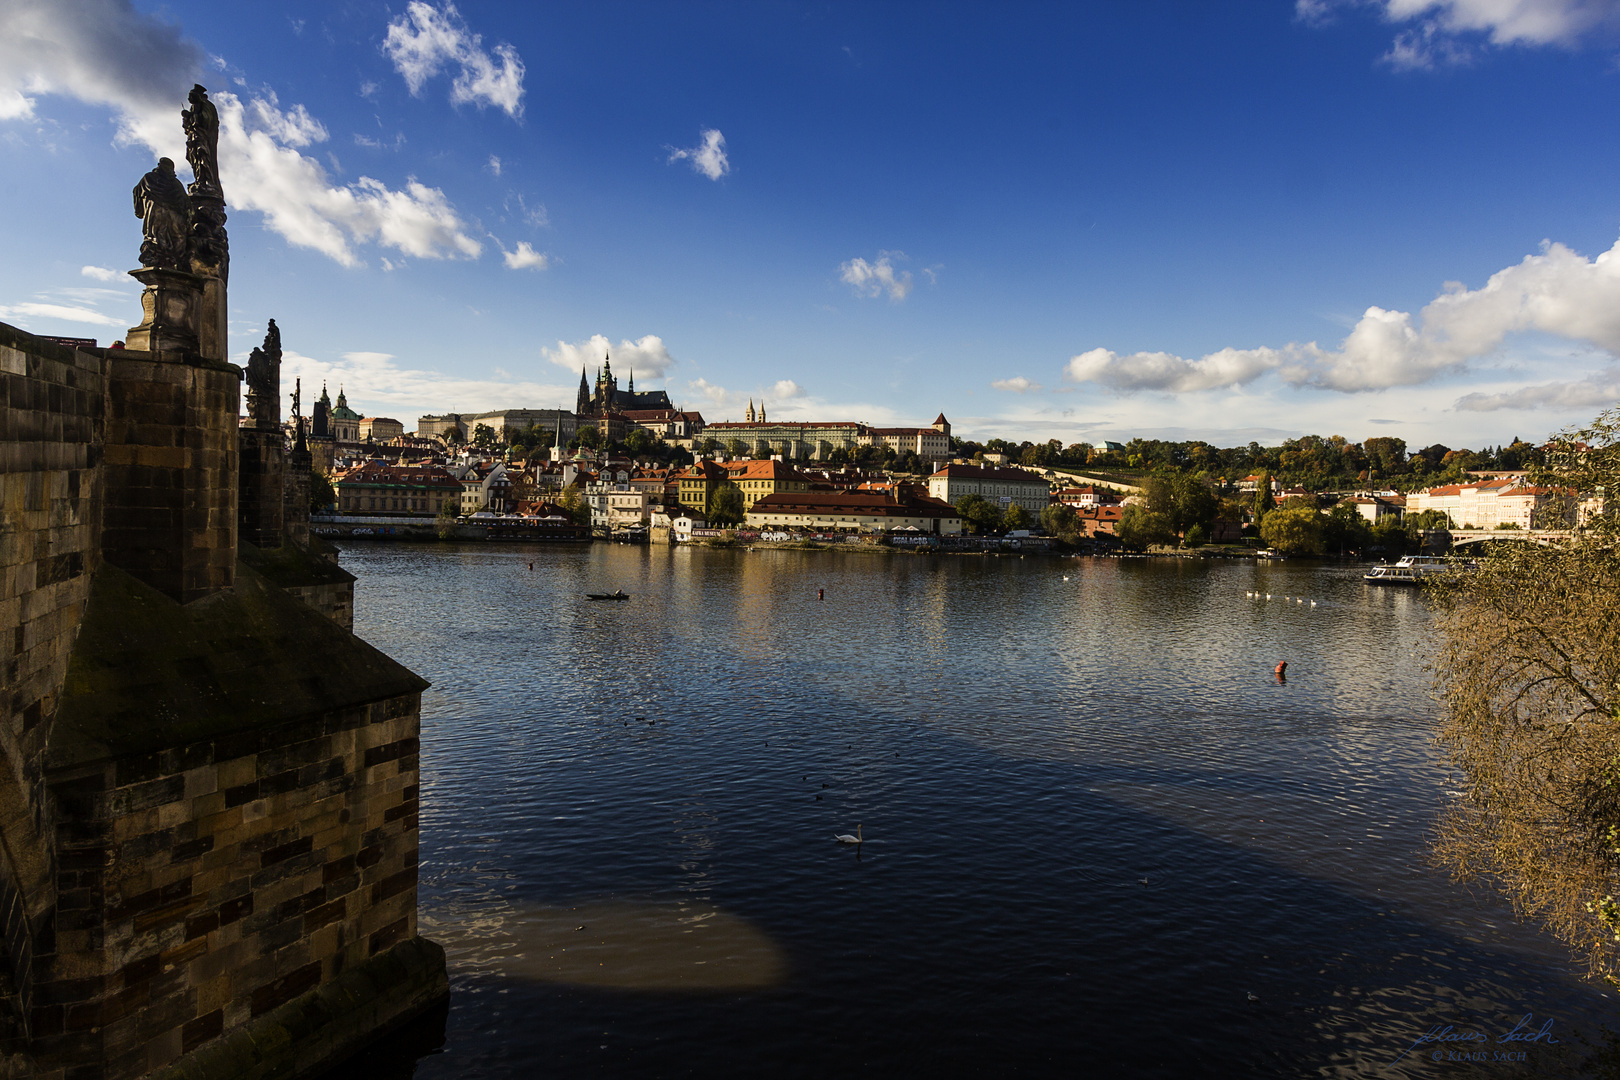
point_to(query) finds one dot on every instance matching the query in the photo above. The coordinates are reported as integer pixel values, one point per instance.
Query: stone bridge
(1545, 537)
(208, 784)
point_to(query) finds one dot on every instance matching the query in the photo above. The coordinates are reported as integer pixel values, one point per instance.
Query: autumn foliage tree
(1528, 672)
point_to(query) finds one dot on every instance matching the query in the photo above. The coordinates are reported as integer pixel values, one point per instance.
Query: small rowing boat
(616, 594)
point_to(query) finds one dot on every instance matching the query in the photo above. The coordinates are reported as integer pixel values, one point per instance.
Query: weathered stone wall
(49, 524)
(207, 810)
(206, 885)
(171, 472)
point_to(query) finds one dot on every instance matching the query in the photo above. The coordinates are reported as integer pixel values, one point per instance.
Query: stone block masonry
(171, 471)
(208, 785)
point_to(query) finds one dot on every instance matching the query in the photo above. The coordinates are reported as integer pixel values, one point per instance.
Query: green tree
(590, 436)
(1059, 520)
(575, 505)
(736, 448)
(322, 496)
(483, 437)
(726, 505)
(1293, 530)
(979, 514)
(445, 522)
(1528, 673)
(1140, 528)
(1264, 500)
(639, 441)
(1016, 517)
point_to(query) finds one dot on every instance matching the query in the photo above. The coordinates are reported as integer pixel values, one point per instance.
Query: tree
(483, 437)
(726, 505)
(1140, 527)
(1016, 517)
(979, 514)
(639, 441)
(1059, 520)
(1529, 678)
(1293, 530)
(576, 505)
(589, 436)
(322, 497)
(736, 448)
(1264, 500)
(445, 522)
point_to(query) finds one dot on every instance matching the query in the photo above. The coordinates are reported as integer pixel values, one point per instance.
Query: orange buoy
(1281, 668)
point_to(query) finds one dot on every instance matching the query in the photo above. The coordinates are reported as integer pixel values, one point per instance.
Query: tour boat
(1409, 570)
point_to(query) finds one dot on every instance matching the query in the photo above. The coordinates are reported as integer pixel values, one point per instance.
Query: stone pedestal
(259, 503)
(170, 467)
(170, 307)
(295, 490)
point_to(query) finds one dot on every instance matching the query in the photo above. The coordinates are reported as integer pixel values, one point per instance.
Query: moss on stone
(148, 674)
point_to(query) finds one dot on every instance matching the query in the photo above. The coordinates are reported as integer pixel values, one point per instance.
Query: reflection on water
(610, 944)
(1111, 840)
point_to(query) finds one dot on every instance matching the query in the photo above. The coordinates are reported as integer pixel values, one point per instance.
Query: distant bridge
(1545, 537)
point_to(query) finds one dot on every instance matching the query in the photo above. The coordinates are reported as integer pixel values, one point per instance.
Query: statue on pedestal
(165, 212)
(201, 122)
(264, 381)
(210, 247)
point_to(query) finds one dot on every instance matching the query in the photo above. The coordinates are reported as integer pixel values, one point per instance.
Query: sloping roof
(976, 472)
(866, 504)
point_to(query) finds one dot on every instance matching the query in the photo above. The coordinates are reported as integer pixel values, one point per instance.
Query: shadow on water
(1101, 838)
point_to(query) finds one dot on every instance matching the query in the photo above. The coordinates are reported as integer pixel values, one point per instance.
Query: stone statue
(209, 246)
(165, 213)
(201, 122)
(264, 381)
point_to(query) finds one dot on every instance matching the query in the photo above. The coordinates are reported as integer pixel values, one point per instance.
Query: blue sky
(1228, 221)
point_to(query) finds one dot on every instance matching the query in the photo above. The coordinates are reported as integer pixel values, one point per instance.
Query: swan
(845, 838)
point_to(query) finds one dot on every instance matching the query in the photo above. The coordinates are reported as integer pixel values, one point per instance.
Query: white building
(1001, 486)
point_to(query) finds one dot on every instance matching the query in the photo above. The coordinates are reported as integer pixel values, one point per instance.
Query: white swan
(845, 838)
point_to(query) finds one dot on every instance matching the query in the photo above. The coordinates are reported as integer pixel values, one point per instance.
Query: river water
(1099, 835)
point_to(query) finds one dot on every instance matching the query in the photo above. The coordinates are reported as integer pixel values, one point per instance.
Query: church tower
(582, 405)
(750, 410)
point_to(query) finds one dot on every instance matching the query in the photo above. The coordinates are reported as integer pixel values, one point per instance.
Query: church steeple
(750, 410)
(582, 404)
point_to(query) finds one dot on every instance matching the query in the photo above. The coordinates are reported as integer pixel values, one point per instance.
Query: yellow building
(757, 479)
(698, 483)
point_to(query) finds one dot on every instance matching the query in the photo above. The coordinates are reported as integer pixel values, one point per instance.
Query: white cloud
(377, 385)
(708, 157)
(63, 312)
(1598, 390)
(525, 258)
(292, 190)
(1018, 384)
(646, 357)
(104, 52)
(426, 40)
(494, 165)
(786, 390)
(1558, 292)
(101, 273)
(876, 278)
(717, 395)
(1440, 32)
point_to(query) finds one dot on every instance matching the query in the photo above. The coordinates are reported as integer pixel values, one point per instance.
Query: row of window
(374, 502)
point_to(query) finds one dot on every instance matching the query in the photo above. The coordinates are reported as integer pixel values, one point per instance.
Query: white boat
(1409, 570)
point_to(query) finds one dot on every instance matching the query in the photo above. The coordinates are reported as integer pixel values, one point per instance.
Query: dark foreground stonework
(209, 799)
